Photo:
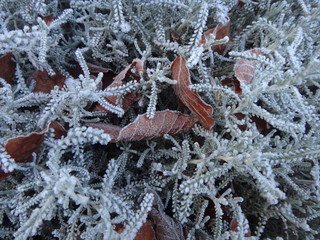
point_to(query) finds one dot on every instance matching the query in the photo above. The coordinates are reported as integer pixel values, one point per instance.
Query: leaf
(244, 69)
(133, 70)
(234, 225)
(219, 32)
(146, 232)
(166, 228)
(21, 148)
(143, 128)
(45, 83)
(48, 19)
(8, 68)
(192, 100)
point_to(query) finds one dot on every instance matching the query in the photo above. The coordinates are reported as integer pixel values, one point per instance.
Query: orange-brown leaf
(7, 68)
(192, 100)
(244, 69)
(143, 128)
(21, 148)
(45, 83)
(134, 70)
(146, 232)
(220, 31)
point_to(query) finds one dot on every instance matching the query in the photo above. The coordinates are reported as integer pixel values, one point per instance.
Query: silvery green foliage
(83, 186)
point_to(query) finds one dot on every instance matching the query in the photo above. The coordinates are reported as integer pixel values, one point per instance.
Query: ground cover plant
(162, 119)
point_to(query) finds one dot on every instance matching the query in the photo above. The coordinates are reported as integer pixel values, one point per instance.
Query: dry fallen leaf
(191, 99)
(143, 128)
(146, 232)
(8, 68)
(21, 148)
(220, 31)
(48, 19)
(45, 83)
(133, 70)
(234, 225)
(244, 69)
(166, 228)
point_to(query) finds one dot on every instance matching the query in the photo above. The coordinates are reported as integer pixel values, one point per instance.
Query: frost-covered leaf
(45, 83)
(244, 69)
(143, 128)
(192, 100)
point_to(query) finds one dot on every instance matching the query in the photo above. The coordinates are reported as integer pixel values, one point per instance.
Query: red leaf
(8, 68)
(146, 232)
(164, 122)
(192, 100)
(21, 148)
(134, 70)
(220, 31)
(45, 83)
(244, 69)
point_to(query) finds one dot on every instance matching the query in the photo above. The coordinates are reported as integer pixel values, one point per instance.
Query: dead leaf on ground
(146, 232)
(133, 70)
(191, 99)
(143, 128)
(7, 68)
(244, 69)
(234, 225)
(219, 32)
(166, 228)
(21, 148)
(47, 19)
(45, 83)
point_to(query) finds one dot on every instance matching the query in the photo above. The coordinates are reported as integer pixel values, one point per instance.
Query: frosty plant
(161, 120)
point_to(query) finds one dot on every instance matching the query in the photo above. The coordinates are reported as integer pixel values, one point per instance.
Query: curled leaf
(143, 128)
(192, 100)
(244, 69)
(45, 83)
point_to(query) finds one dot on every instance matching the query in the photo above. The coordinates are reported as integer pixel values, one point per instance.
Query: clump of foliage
(165, 119)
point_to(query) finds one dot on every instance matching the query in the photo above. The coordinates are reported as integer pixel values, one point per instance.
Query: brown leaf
(21, 148)
(96, 69)
(45, 83)
(133, 70)
(146, 232)
(244, 69)
(191, 99)
(166, 228)
(8, 68)
(234, 82)
(234, 225)
(47, 19)
(220, 31)
(143, 128)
